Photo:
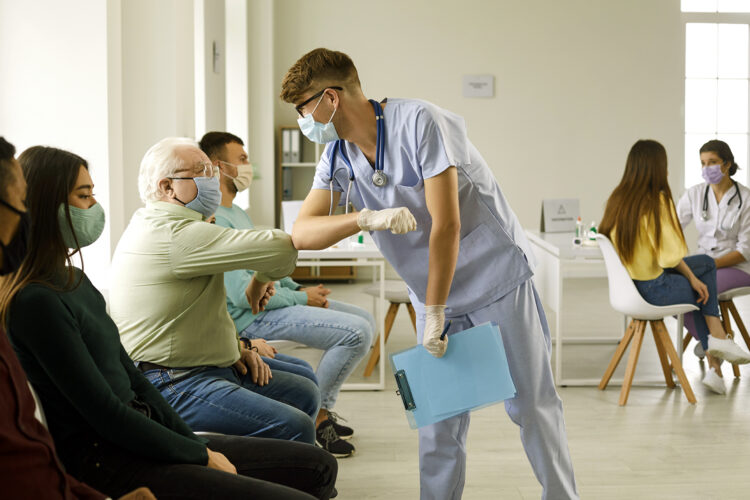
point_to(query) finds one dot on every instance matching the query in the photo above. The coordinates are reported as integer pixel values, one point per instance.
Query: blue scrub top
(422, 141)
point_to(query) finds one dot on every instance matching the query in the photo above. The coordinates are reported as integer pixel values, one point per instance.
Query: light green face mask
(87, 223)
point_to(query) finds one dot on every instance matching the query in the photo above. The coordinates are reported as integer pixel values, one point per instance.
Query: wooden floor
(657, 447)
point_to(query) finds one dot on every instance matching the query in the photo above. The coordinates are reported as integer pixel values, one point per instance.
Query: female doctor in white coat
(721, 211)
(440, 219)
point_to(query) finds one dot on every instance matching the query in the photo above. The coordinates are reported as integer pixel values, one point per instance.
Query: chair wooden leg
(665, 367)
(390, 316)
(740, 324)
(727, 323)
(635, 350)
(676, 364)
(621, 347)
(686, 341)
(412, 315)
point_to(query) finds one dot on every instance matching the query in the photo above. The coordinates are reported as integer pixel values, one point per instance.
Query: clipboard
(474, 373)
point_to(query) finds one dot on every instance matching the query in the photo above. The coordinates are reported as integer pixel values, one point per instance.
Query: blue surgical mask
(208, 198)
(316, 131)
(88, 224)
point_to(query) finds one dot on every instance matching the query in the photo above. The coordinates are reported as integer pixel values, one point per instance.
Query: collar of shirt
(174, 209)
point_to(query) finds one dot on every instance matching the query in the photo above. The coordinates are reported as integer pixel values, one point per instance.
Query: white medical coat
(727, 227)
(421, 141)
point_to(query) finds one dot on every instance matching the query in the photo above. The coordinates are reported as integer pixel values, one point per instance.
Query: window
(716, 86)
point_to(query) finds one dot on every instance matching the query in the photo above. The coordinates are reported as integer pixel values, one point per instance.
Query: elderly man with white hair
(168, 300)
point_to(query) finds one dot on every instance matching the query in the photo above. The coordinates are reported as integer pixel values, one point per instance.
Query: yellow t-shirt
(648, 260)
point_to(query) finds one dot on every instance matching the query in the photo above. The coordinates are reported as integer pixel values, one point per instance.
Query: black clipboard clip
(404, 391)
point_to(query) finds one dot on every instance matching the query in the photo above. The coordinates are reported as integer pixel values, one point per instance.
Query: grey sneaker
(698, 350)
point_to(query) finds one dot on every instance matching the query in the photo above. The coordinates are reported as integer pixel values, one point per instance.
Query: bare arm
(314, 229)
(730, 259)
(441, 196)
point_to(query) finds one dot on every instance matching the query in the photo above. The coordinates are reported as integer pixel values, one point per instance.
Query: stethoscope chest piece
(379, 178)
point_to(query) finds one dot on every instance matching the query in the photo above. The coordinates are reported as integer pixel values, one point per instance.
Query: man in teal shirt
(301, 314)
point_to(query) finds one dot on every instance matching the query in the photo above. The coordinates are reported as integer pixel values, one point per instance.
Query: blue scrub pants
(536, 409)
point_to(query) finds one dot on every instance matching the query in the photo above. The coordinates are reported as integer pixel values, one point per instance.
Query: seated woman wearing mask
(722, 217)
(112, 428)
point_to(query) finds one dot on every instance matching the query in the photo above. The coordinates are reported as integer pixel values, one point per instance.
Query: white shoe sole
(728, 356)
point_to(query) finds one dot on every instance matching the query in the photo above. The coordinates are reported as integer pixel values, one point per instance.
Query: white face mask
(244, 175)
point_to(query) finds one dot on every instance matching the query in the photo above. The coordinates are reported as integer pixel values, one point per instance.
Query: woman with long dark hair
(112, 428)
(641, 221)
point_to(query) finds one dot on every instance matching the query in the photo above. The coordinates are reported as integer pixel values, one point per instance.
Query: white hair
(160, 161)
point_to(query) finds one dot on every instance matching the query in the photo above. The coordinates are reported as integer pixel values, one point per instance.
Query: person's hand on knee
(260, 372)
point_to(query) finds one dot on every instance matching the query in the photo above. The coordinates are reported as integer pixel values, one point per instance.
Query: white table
(359, 256)
(558, 259)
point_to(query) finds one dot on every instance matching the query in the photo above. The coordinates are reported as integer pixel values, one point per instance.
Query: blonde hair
(322, 67)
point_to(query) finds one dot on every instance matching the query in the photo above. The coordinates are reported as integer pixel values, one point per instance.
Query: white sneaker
(698, 350)
(727, 350)
(713, 381)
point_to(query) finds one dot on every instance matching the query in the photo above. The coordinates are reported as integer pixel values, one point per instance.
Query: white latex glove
(398, 220)
(433, 329)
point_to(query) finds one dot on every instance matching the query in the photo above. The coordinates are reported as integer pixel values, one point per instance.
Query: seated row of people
(112, 426)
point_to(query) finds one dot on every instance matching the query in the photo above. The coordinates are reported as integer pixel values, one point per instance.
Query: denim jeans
(290, 364)
(266, 469)
(343, 331)
(671, 288)
(213, 399)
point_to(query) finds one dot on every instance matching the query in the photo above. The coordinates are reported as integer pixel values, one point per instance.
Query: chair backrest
(624, 296)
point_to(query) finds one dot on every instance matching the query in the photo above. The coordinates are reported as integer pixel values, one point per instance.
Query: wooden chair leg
(412, 315)
(665, 367)
(621, 347)
(390, 316)
(740, 324)
(727, 323)
(686, 341)
(635, 350)
(676, 364)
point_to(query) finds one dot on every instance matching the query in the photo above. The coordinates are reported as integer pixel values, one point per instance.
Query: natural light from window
(716, 90)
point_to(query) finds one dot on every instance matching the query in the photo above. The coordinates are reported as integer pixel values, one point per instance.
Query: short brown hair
(214, 143)
(319, 66)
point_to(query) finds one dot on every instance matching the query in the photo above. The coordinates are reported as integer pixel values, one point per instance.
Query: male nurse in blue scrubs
(437, 214)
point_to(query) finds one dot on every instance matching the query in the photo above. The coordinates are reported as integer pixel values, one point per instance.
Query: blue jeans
(213, 399)
(290, 364)
(671, 288)
(343, 331)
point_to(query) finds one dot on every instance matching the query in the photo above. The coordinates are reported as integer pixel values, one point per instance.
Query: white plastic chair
(624, 298)
(727, 307)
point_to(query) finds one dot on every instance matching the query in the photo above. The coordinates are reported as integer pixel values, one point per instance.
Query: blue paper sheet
(473, 374)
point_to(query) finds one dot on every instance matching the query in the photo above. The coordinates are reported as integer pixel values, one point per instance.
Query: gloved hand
(398, 220)
(433, 329)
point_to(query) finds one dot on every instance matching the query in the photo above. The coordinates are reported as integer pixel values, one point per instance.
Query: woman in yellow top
(642, 223)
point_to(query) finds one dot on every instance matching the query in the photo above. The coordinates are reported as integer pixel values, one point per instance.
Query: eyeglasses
(300, 106)
(208, 170)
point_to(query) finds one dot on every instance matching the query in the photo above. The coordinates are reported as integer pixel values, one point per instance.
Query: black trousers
(266, 469)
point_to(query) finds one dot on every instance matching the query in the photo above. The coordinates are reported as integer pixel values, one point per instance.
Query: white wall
(577, 81)
(54, 88)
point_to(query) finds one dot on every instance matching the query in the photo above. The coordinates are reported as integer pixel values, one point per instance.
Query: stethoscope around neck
(704, 212)
(379, 178)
